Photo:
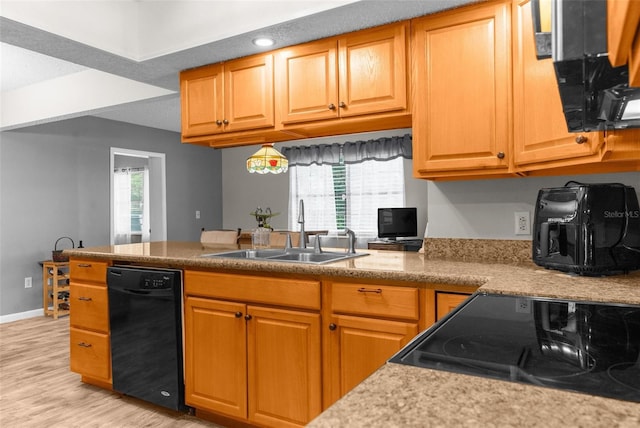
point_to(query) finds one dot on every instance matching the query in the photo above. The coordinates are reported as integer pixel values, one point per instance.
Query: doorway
(138, 196)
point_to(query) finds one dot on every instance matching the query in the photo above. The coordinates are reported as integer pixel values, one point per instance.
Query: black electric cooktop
(586, 347)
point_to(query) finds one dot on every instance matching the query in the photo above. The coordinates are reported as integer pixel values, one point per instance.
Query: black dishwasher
(146, 334)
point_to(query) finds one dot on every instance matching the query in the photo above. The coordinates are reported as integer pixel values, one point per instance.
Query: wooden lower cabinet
(253, 363)
(358, 346)
(215, 356)
(366, 324)
(447, 302)
(89, 341)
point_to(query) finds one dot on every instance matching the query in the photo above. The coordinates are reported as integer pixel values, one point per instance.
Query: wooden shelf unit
(55, 280)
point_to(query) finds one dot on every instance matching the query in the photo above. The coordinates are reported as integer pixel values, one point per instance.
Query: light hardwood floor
(37, 389)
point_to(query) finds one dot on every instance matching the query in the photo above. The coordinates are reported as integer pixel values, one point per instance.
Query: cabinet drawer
(259, 289)
(89, 307)
(376, 300)
(88, 270)
(90, 354)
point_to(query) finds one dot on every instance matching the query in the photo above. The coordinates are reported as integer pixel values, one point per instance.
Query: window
(131, 207)
(345, 195)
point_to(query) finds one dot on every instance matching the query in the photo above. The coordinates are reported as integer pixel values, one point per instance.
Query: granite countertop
(404, 396)
(520, 277)
(400, 396)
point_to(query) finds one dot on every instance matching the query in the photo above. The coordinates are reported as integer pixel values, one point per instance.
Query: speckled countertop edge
(403, 396)
(520, 277)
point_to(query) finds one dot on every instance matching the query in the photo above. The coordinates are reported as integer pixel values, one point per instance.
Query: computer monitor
(396, 223)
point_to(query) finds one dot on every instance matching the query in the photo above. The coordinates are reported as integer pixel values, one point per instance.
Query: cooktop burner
(580, 346)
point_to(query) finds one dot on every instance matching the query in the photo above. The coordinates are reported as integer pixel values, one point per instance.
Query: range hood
(595, 96)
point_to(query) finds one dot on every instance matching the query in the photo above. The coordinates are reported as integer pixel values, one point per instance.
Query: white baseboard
(21, 316)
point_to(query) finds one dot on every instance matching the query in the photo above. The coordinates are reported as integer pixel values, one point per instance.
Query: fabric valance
(349, 152)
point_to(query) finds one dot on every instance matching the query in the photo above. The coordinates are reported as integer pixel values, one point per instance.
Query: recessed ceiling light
(263, 41)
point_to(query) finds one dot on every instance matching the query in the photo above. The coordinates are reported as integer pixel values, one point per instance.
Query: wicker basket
(57, 255)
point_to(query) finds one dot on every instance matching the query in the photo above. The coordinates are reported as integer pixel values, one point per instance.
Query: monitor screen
(397, 222)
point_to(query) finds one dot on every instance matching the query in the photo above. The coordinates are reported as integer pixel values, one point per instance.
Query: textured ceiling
(31, 55)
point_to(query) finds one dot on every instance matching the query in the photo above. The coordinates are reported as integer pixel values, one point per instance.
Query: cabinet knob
(225, 121)
(500, 155)
(247, 317)
(581, 139)
(332, 326)
(218, 122)
(342, 104)
(332, 106)
(84, 345)
(84, 299)
(238, 314)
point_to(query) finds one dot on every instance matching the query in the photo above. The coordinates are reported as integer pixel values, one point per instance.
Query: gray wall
(54, 181)
(484, 209)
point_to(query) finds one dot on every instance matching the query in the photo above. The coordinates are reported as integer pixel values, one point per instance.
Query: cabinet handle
(218, 122)
(332, 326)
(500, 155)
(369, 290)
(342, 104)
(581, 139)
(85, 299)
(225, 121)
(247, 317)
(238, 314)
(84, 265)
(84, 345)
(332, 106)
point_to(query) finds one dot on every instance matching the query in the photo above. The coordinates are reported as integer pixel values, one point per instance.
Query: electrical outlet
(28, 282)
(522, 223)
(197, 215)
(523, 305)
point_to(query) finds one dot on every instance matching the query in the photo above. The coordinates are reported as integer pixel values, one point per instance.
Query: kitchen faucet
(352, 240)
(303, 235)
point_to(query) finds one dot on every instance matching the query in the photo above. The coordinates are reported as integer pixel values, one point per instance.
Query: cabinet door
(215, 356)
(623, 19)
(540, 129)
(248, 93)
(308, 82)
(284, 365)
(202, 101)
(358, 346)
(462, 83)
(447, 302)
(373, 71)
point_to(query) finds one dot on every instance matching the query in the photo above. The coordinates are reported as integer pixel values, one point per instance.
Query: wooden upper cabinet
(248, 93)
(623, 36)
(233, 96)
(462, 82)
(356, 74)
(373, 71)
(540, 128)
(201, 100)
(307, 83)
(623, 20)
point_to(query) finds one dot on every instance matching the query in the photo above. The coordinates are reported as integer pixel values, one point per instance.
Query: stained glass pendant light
(267, 159)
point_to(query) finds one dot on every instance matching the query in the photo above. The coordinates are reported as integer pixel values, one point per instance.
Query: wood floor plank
(37, 389)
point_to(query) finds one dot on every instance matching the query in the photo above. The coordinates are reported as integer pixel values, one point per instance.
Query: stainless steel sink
(291, 255)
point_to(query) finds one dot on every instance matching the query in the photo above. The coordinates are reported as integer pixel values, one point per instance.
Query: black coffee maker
(587, 229)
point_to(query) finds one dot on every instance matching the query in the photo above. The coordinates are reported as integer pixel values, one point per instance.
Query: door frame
(157, 187)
